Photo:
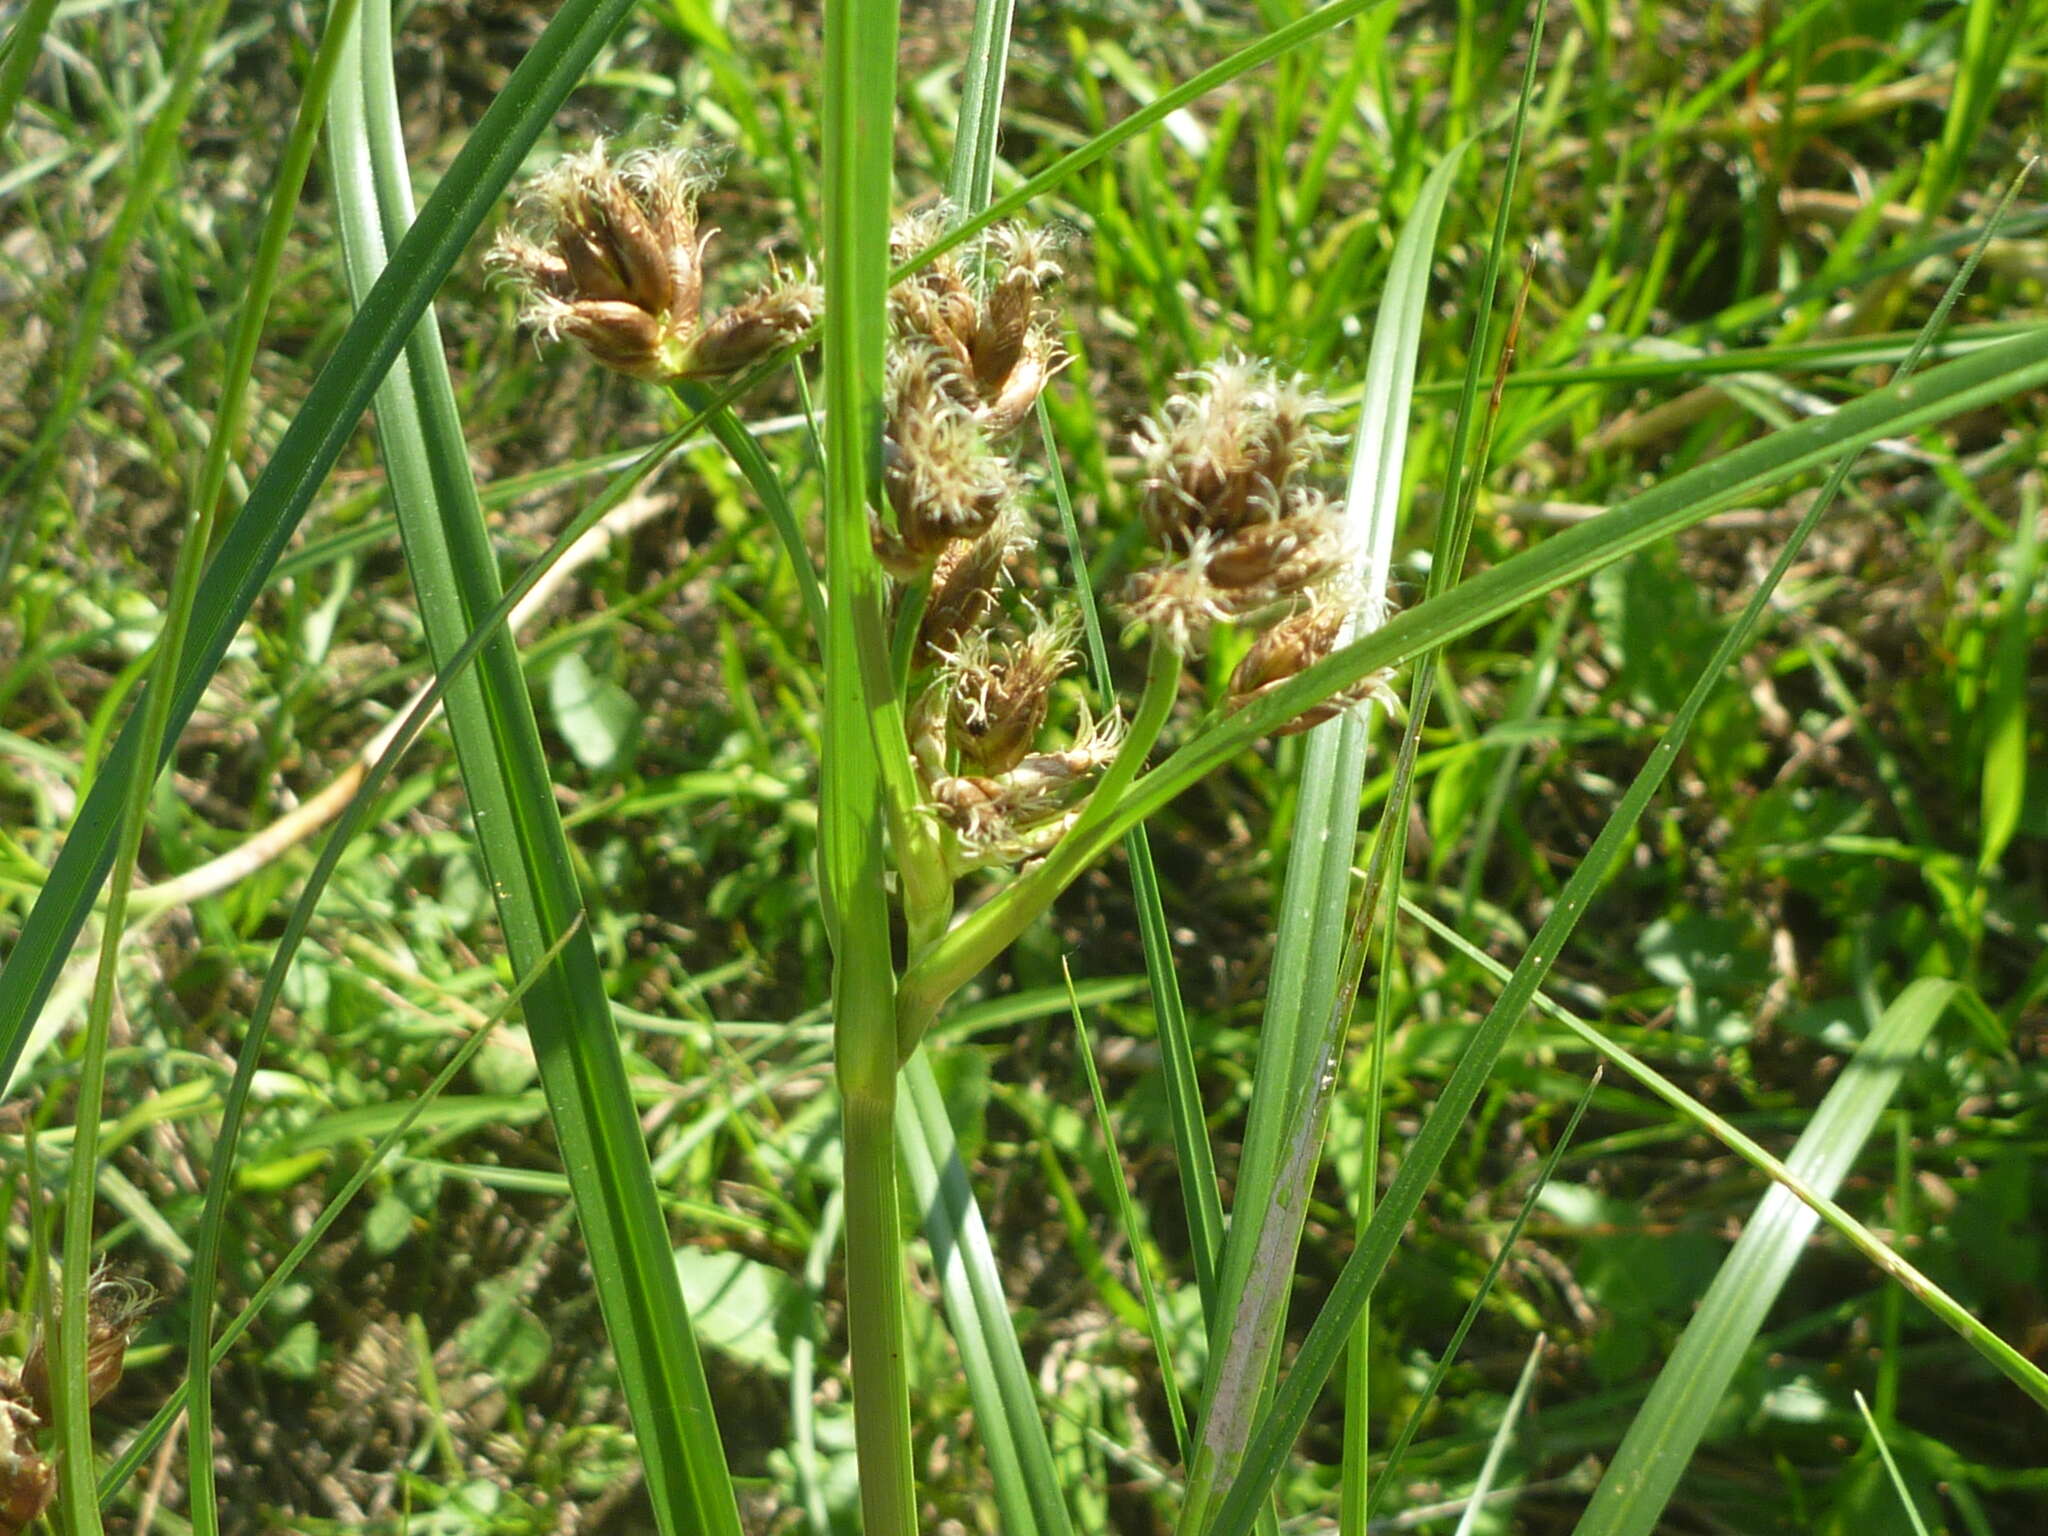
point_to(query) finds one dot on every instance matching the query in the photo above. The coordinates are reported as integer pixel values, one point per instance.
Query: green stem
(943, 970)
(874, 1284)
(866, 768)
(927, 889)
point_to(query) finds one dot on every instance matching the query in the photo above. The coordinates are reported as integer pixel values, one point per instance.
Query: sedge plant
(968, 778)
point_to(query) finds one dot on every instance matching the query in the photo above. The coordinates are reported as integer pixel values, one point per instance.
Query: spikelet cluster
(983, 307)
(973, 343)
(1244, 535)
(972, 347)
(28, 1479)
(610, 253)
(977, 730)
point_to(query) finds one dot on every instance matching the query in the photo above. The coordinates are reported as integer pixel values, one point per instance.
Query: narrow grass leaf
(1009, 1422)
(1194, 1159)
(144, 1444)
(525, 852)
(1663, 1434)
(1275, 43)
(1399, 1449)
(2002, 791)
(22, 484)
(972, 176)
(1481, 1502)
(1290, 1409)
(2016, 1367)
(1891, 1466)
(753, 465)
(24, 47)
(1298, 1036)
(1135, 1236)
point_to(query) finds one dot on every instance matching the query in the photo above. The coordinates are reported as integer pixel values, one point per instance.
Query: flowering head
(611, 255)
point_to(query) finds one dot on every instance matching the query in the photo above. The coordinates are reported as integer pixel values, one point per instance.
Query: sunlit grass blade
(145, 1442)
(1267, 48)
(1831, 355)
(1481, 1502)
(1369, 1505)
(206, 1246)
(136, 783)
(24, 47)
(1891, 1466)
(293, 475)
(1135, 1234)
(1009, 1421)
(525, 852)
(1663, 1433)
(21, 486)
(972, 175)
(2016, 1367)
(1194, 1158)
(803, 1375)
(2002, 790)
(746, 455)
(1387, 867)
(1301, 1027)
(1290, 1409)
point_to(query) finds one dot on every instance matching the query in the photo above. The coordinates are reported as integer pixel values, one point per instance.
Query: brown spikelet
(768, 320)
(1000, 694)
(1294, 643)
(943, 480)
(28, 1482)
(1014, 312)
(965, 580)
(1289, 648)
(983, 309)
(611, 255)
(1177, 601)
(115, 1308)
(1278, 559)
(1225, 453)
(1021, 813)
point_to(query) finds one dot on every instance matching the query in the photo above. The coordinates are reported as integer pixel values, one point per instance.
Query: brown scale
(963, 593)
(28, 1482)
(1276, 559)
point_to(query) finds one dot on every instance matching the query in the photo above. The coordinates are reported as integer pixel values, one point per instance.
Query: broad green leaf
(742, 1308)
(597, 718)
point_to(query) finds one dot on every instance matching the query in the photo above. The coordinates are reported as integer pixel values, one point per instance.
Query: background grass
(1719, 199)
